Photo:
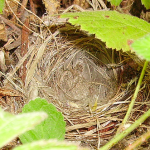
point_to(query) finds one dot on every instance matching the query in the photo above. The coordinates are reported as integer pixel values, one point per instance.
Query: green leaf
(12, 126)
(115, 2)
(4, 116)
(2, 2)
(142, 47)
(52, 128)
(110, 26)
(146, 3)
(49, 145)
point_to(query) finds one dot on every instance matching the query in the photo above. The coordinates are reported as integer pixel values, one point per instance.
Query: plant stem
(120, 136)
(135, 94)
(139, 141)
(121, 127)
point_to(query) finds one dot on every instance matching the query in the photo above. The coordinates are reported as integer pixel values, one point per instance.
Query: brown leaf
(3, 36)
(8, 92)
(2, 61)
(51, 6)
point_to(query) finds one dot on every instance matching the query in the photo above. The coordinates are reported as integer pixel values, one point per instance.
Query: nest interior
(75, 72)
(76, 75)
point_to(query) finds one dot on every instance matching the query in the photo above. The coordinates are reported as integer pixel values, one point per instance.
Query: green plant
(49, 145)
(112, 27)
(51, 128)
(115, 2)
(12, 126)
(146, 3)
(2, 2)
(142, 49)
(124, 29)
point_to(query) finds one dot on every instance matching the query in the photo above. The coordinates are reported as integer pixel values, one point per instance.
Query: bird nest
(75, 72)
(90, 84)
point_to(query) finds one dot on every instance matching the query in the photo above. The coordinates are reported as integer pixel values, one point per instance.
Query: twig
(24, 4)
(119, 136)
(139, 141)
(123, 134)
(11, 24)
(103, 4)
(133, 98)
(74, 6)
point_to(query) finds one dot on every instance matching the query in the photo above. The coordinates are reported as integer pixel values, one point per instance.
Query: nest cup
(76, 71)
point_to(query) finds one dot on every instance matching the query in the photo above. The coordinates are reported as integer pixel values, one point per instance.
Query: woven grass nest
(74, 72)
(84, 80)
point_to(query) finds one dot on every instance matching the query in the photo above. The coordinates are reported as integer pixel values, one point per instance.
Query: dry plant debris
(68, 68)
(3, 36)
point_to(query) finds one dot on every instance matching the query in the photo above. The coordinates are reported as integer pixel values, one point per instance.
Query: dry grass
(83, 79)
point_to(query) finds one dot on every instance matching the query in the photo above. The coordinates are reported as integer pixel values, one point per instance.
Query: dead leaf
(2, 61)
(9, 92)
(3, 34)
(51, 6)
